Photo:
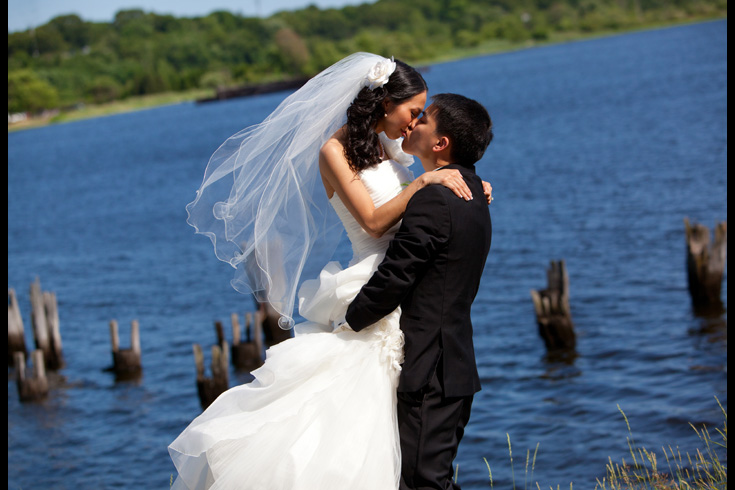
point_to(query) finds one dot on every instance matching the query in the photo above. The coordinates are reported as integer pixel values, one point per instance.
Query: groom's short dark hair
(467, 125)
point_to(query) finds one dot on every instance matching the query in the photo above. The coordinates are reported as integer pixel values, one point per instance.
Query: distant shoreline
(492, 47)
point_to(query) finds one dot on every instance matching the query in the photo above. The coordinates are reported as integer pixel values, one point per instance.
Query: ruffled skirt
(320, 414)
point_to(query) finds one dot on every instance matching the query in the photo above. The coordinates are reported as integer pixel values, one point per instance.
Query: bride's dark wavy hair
(367, 109)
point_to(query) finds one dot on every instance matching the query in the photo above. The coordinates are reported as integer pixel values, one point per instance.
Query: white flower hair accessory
(380, 73)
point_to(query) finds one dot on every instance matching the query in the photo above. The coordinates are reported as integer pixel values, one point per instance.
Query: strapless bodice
(383, 182)
(324, 300)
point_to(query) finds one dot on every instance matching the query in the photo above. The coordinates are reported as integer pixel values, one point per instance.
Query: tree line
(68, 60)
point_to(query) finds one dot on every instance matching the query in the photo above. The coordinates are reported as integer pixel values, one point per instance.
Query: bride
(320, 413)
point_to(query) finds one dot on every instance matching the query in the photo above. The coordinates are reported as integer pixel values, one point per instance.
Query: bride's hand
(488, 191)
(451, 179)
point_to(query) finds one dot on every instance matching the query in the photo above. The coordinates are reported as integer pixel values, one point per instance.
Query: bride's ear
(388, 105)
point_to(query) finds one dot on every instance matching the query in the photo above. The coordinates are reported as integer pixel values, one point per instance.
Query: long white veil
(262, 202)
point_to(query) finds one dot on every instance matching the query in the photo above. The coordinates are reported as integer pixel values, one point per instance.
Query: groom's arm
(425, 230)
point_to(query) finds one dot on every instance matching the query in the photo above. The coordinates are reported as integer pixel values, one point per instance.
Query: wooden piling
(16, 334)
(35, 386)
(236, 327)
(210, 388)
(45, 321)
(706, 266)
(52, 321)
(553, 314)
(220, 331)
(126, 363)
(38, 317)
(247, 354)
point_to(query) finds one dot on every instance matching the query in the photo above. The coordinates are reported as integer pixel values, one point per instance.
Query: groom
(432, 269)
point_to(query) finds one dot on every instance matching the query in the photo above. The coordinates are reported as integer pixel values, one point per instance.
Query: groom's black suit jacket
(432, 269)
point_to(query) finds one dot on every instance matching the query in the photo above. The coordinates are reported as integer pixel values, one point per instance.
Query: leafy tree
(48, 42)
(73, 30)
(294, 53)
(104, 88)
(68, 60)
(27, 92)
(215, 79)
(513, 28)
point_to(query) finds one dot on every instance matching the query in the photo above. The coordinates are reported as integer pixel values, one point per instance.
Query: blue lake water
(602, 148)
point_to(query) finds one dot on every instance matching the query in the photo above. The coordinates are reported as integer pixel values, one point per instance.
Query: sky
(24, 14)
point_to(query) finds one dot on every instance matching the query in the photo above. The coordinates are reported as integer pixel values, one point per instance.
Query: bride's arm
(337, 176)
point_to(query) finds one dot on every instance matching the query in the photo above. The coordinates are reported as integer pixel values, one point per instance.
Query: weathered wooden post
(52, 320)
(38, 319)
(269, 318)
(45, 321)
(220, 331)
(32, 387)
(16, 334)
(553, 313)
(126, 363)
(247, 355)
(706, 266)
(210, 388)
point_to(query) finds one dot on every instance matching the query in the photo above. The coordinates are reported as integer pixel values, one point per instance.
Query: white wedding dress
(321, 412)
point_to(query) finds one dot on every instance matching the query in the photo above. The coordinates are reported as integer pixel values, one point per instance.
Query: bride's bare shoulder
(334, 147)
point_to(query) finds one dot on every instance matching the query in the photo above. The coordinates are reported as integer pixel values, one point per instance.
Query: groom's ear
(441, 144)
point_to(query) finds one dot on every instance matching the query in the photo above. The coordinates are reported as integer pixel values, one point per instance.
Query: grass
(116, 107)
(498, 46)
(702, 471)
